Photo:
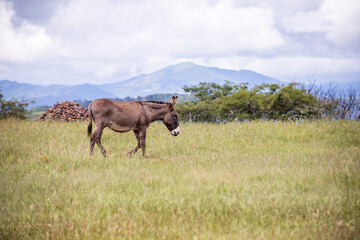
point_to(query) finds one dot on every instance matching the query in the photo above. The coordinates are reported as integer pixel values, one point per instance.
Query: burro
(126, 116)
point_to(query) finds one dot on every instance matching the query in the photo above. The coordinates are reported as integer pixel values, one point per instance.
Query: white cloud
(23, 43)
(108, 40)
(298, 67)
(113, 33)
(337, 20)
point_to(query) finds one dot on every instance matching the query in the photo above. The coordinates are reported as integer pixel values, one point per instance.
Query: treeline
(229, 102)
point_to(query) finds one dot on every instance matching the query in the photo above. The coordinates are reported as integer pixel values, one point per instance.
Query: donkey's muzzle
(176, 131)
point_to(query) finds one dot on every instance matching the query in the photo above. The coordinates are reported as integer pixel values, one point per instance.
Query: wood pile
(65, 111)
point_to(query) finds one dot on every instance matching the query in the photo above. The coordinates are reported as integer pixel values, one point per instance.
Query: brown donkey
(126, 116)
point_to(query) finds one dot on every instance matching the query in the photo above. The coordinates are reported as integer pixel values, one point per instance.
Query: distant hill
(167, 80)
(174, 78)
(49, 95)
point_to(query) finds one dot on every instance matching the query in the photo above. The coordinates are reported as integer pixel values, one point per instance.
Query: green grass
(33, 115)
(257, 180)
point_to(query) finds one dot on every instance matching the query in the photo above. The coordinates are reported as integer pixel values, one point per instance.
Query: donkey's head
(171, 120)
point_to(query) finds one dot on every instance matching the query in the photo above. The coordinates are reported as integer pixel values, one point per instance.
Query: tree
(209, 97)
(284, 102)
(211, 91)
(200, 111)
(346, 104)
(243, 104)
(332, 102)
(12, 108)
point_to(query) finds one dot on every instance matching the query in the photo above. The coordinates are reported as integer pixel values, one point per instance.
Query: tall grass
(235, 181)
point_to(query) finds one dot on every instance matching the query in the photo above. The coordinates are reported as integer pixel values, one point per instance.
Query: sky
(104, 41)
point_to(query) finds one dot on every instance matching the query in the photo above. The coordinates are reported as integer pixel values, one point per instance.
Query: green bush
(228, 102)
(12, 108)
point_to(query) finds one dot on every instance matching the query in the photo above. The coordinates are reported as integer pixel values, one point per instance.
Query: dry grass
(256, 180)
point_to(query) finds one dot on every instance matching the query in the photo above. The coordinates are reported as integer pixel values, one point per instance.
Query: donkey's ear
(173, 100)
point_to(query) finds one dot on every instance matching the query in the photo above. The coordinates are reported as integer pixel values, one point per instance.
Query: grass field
(257, 180)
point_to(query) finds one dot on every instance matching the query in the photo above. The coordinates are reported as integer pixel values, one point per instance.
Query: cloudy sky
(103, 41)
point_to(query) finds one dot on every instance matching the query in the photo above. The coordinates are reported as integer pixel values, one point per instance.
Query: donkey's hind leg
(92, 143)
(96, 138)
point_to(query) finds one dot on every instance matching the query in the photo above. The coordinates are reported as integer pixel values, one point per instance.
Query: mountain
(174, 78)
(49, 95)
(167, 80)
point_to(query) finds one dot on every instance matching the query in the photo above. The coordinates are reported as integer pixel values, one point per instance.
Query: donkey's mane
(157, 102)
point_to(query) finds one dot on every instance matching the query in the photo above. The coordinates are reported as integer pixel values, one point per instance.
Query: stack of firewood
(65, 111)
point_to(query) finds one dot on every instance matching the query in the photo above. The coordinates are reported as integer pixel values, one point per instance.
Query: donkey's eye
(175, 117)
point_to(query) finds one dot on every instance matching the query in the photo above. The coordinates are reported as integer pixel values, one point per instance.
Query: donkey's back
(118, 116)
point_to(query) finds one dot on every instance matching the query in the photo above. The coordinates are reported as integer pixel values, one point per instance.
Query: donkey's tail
(90, 120)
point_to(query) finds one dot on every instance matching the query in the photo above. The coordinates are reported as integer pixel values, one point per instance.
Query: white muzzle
(176, 131)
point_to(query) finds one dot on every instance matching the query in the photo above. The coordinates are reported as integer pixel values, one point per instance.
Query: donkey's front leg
(140, 136)
(142, 140)
(136, 132)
